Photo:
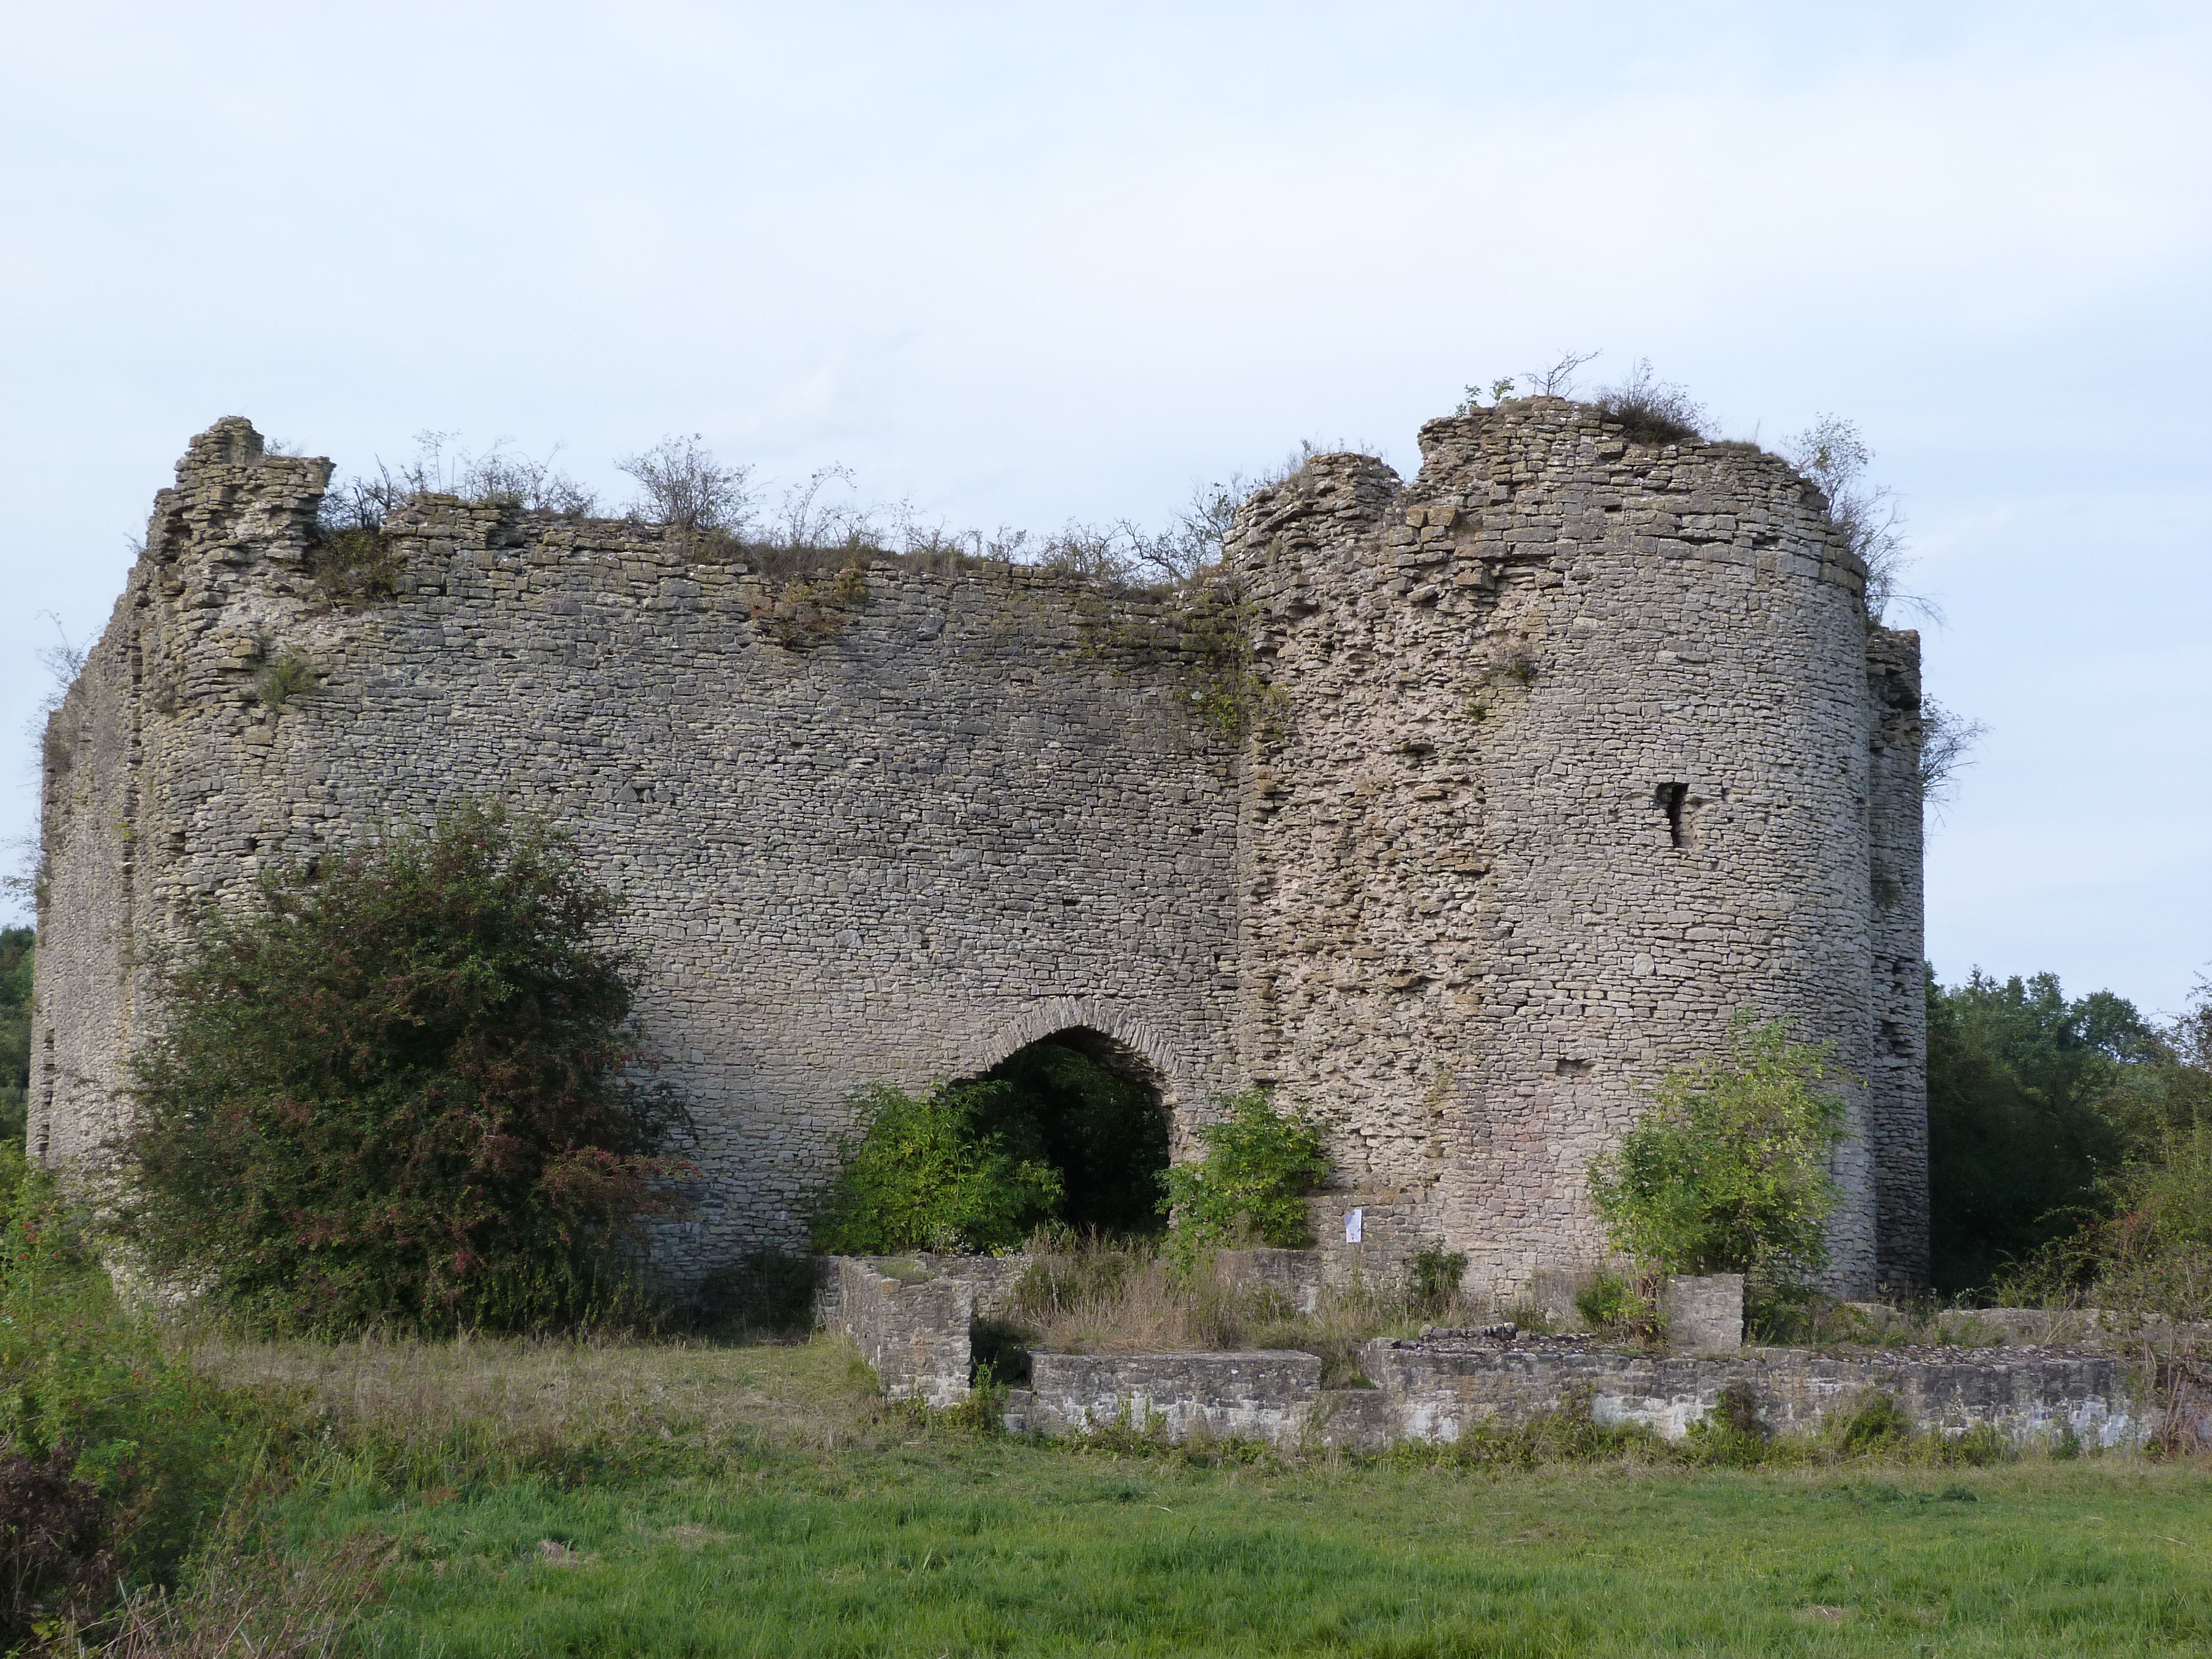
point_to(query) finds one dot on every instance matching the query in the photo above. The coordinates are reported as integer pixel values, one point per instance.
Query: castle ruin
(1539, 768)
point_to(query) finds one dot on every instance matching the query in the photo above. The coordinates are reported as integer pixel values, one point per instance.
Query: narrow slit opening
(1671, 797)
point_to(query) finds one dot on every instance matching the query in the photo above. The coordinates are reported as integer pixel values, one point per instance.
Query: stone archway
(1141, 1053)
(1096, 1106)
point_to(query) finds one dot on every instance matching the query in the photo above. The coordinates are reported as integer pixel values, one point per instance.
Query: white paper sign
(1353, 1220)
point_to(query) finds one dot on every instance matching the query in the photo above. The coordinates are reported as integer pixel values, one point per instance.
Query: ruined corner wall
(883, 828)
(1576, 756)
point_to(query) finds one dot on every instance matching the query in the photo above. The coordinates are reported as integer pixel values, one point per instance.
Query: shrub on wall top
(407, 1092)
(1728, 1172)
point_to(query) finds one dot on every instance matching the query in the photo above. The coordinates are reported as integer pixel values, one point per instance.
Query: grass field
(673, 1499)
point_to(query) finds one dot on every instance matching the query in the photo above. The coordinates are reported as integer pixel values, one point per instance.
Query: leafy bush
(407, 1092)
(16, 949)
(1260, 1164)
(1727, 1174)
(112, 1456)
(940, 1170)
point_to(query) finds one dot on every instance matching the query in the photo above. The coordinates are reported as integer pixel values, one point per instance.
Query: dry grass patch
(1088, 1296)
(812, 1395)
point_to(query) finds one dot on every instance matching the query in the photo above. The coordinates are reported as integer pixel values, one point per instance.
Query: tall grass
(1085, 1294)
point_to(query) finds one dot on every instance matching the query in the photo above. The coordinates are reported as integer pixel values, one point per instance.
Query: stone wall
(1557, 757)
(910, 1323)
(1573, 764)
(1440, 1391)
(897, 849)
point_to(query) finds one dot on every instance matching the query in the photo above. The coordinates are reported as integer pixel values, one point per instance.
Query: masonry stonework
(1558, 756)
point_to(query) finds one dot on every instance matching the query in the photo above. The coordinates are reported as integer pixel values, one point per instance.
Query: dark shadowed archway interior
(1093, 1108)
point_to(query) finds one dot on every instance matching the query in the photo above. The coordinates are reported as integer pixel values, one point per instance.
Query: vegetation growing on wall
(1728, 1172)
(1651, 411)
(1260, 1165)
(406, 1092)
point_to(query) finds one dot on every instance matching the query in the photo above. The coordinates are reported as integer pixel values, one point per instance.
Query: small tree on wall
(408, 1092)
(1728, 1172)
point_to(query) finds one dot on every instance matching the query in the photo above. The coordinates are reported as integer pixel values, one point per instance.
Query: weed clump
(1613, 1305)
(283, 679)
(1432, 1277)
(1651, 411)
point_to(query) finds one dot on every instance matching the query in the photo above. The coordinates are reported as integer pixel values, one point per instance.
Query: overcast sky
(1028, 264)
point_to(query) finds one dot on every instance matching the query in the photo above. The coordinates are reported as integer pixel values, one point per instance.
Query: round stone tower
(1573, 753)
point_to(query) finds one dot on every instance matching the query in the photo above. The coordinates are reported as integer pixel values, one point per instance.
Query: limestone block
(1703, 1312)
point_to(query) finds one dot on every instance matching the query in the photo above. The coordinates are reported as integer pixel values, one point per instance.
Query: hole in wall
(1574, 1067)
(1671, 798)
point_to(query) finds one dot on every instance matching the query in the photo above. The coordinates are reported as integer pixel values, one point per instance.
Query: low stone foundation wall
(911, 1318)
(1264, 1396)
(909, 1322)
(1438, 1391)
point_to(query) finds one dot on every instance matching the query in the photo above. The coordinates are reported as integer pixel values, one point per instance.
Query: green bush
(16, 949)
(113, 1457)
(1260, 1164)
(944, 1169)
(1728, 1173)
(407, 1092)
